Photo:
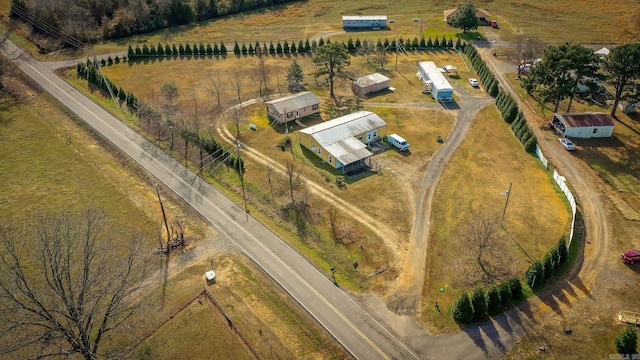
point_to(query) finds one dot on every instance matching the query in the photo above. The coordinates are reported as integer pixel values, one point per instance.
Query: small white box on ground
(210, 275)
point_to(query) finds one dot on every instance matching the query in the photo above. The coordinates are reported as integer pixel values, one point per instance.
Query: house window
(330, 159)
(289, 114)
(319, 151)
(368, 136)
(314, 107)
(595, 130)
(313, 147)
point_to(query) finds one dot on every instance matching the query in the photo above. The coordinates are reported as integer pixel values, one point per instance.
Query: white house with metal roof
(375, 22)
(435, 82)
(342, 142)
(293, 107)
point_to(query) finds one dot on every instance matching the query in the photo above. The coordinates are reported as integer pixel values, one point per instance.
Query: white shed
(583, 125)
(370, 83)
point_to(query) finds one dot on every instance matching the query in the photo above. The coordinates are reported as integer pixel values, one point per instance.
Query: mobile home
(434, 81)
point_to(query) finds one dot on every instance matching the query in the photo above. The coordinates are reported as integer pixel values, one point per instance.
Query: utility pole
(506, 203)
(421, 22)
(164, 215)
(241, 170)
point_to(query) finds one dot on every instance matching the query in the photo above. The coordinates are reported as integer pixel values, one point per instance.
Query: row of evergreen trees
(508, 107)
(284, 48)
(90, 72)
(487, 302)
(543, 269)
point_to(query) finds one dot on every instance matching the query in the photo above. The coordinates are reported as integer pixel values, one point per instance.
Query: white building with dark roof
(342, 142)
(293, 107)
(583, 125)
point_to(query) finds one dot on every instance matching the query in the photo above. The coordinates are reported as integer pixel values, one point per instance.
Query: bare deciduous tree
(237, 83)
(216, 87)
(332, 214)
(169, 91)
(65, 285)
(261, 70)
(293, 179)
(269, 169)
(484, 256)
(527, 50)
(381, 55)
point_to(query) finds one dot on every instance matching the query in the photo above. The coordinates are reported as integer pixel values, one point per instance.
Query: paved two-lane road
(358, 332)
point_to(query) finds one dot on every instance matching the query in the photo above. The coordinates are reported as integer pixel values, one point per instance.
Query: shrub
(494, 89)
(479, 303)
(535, 274)
(511, 113)
(627, 341)
(462, 309)
(562, 249)
(548, 265)
(505, 294)
(494, 304)
(516, 289)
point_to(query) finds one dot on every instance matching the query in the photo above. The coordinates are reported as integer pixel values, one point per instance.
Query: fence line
(562, 183)
(229, 320)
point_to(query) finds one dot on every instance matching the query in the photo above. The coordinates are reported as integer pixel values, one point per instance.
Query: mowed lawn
(474, 181)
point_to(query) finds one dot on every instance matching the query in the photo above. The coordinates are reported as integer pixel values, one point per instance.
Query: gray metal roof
(337, 136)
(294, 102)
(348, 151)
(365, 17)
(371, 79)
(434, 74)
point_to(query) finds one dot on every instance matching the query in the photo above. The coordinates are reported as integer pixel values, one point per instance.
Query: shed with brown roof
(583, 125)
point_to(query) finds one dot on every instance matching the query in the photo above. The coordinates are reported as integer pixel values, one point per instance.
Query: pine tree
(187, 50)
(278, 48)
(251, 49)
(181, 50)
(562, 249)
(415, 43)
(462, 309)
(350, 45)
(293, 49)
(138, 51)
(203, 50)
(244, 49)
(160, 50)
(535, 274)
(130, 52)
(436, 43)
(429, 43)
(116, 59)
(358, 44)
(505, 294)
(479, 303)
(216, 51)
(168, 51)
(627, 341)
(145, 50)
(458, 44)
(301, 47)
(320, 42)
(443, 42)
(494, 303)
(423, 43)
(152, 51)
(272, 49)
(307, 46)
(285, 47)
(236, 48)
(223, 49)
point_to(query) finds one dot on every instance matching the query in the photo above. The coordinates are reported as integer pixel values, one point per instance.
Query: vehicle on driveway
(473, 82)
(567, 144)
(631, 257)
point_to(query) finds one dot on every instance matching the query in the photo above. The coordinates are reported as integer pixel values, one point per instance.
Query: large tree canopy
(623, 67)
(332, 60)
(466, 18)
(65, 285)
(562, 68)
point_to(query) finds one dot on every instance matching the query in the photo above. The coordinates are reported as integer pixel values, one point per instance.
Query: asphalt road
(353, 327)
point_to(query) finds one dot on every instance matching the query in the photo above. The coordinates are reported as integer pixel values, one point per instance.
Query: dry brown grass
(488, 160)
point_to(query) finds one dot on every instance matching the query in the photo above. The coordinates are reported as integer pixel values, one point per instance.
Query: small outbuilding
(583, 125)
(370, 83)
(602, 52)
(434, 81)
(293, 107)
(365, 22)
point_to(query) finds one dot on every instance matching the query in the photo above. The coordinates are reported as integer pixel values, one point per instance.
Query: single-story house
(583, 125)
(435, 82)
(482, 15)
(372, 22)
(370, 83)
(293, 107)
(342, 142)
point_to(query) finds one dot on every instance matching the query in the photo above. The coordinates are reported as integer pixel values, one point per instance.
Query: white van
(397, 141)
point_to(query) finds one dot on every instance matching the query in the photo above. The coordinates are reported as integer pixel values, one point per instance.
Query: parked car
(473, 82)
(631, 257)
(567, 144)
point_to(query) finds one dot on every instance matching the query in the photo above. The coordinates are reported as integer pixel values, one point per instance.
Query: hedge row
(543, 269)
(508, 107)
(89, 71)
(285, 48)
(490, 302)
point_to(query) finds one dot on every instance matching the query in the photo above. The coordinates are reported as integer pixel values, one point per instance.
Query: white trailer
(398, 141)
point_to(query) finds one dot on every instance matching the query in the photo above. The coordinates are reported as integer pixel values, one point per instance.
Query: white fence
(562, 183)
